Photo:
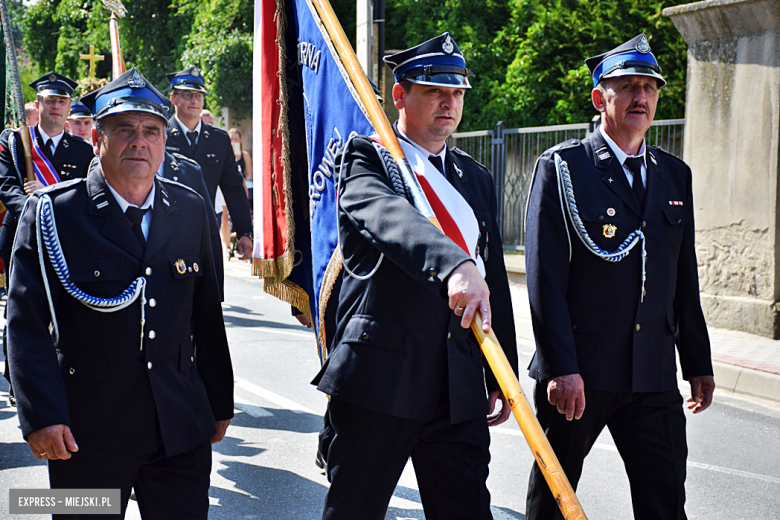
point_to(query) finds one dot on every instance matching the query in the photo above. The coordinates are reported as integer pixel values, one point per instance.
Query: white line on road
(698, 465)
(277, 399)
(273, 330)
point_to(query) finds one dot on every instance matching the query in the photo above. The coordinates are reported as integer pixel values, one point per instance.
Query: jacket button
(638, 327)
(364, 336)
(148, 271)
(72, 371)
(152, 334)
(432, 272)
(152, 303)
(679, 220)
(644, 224)
(449, 335)
(96, 273)
(192, 358)
(573, 327)
(149, 365)
(601, 217)
(483, 224)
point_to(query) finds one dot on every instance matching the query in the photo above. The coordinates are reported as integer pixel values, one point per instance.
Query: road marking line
(698, 465)
(253, 410)
(272, 330)
(277, 399)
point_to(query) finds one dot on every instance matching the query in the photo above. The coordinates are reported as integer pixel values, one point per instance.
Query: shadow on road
(282, 420)
(266, 493)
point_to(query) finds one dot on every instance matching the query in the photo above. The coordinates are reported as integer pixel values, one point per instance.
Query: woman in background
(244, 161)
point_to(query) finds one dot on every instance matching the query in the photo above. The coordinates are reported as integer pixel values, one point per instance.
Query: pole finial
(115, 7)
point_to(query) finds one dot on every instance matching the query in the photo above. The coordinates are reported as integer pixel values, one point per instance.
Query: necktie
(50, 146)
(193, 137)
(634, 164)
(436, 161)
(135, 216)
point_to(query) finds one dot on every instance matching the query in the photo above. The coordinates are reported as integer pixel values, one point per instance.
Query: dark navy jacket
(587, 315)
(396, 340)
(97, 379)
(214, 154)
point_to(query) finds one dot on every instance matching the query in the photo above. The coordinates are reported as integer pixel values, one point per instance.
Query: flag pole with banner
(327, 91)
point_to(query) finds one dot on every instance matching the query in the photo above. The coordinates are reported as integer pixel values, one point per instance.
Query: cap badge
(52, 77)
(136, 81)
(447, 45)
(642, 45)
(609, 230)
(181, 267)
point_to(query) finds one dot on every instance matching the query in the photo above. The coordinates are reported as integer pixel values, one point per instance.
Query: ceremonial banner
(307, 108)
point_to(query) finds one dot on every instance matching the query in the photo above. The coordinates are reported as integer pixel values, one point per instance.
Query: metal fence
(510, 154)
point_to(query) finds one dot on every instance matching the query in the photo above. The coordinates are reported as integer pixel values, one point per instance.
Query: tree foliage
(527, 55)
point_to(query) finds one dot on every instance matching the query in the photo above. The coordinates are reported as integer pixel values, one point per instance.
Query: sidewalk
(744, 363)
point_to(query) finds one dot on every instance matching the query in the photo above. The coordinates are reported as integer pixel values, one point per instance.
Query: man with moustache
(210, 147)
(613, 285)
(404, 371)
(116, 337)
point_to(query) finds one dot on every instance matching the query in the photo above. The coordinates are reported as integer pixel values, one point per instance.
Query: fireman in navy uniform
(404, 371)
(606, 331)
(69, 156)
(211, 148)
(133, 397)
(80, 121)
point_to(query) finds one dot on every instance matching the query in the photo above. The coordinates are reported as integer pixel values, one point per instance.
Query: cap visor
(636, 71)
(53, 92)
(186, 86)
(133, 107)
(441, 80)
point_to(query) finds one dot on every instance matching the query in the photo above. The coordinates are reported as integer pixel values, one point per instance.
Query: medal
(181, 267)
(609, 230)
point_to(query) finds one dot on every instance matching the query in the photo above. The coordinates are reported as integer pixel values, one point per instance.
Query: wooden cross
(92, 58)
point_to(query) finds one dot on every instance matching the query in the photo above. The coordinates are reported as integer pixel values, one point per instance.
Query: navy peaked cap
(54, 84)
(633, 58)
(130, 92)
(188, 79)
(435, 62)
(78, 110)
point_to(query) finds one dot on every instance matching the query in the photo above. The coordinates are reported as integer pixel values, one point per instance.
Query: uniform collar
(619, 153)
(184, 128)
(55, 139)
(123, 204)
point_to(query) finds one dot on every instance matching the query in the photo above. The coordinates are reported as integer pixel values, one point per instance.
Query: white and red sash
(454, 214)
(44, 170)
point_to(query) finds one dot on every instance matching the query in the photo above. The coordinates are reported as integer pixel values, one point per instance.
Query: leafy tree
(547, 81)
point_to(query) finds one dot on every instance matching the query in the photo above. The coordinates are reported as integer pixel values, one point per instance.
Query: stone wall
(732, 131)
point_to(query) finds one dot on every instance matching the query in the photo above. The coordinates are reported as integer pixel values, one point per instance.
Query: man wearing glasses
(210, 147)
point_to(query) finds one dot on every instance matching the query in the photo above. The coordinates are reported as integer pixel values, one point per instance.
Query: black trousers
(167, 488)
(649, 433)
(369, 451)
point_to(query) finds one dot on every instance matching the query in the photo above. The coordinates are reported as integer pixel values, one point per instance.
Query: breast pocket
(675, 225)
(100, 276)
(186, 269)
(212, 159)
(604, 225)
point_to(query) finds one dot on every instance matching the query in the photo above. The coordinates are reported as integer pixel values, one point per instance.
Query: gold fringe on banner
(331, 273)
(290, 293)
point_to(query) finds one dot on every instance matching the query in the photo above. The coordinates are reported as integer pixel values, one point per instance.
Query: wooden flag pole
(534, 435)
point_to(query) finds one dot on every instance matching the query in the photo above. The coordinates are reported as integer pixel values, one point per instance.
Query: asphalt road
(264, 469)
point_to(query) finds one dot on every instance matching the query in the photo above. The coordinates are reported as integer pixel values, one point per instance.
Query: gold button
(638, 327)
(432, 272)
(72, 371)
(644, 224)
(148, 271)
(149, 365)
(364, 336)
(449, 335)
(152, 303)
(192, 358)
(679, 220)
(96, 273)
(152, 334)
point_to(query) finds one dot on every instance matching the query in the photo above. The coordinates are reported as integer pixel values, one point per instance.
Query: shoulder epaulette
(463, 154)
(566, 145)
(181, 157)
(215, 129)
(670, 154)
(61, 186)
(176, 184)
